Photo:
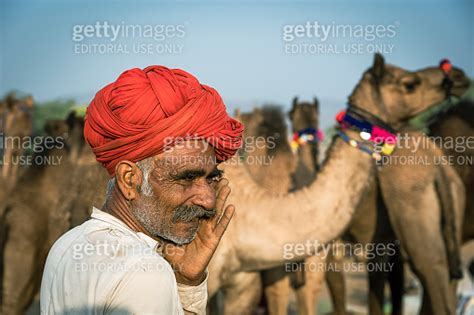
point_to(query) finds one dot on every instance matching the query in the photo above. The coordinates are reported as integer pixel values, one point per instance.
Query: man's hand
(190, 261)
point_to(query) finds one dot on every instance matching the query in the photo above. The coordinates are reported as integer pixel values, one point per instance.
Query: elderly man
(160, 134)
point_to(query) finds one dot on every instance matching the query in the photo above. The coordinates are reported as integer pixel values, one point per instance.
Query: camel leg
(450, 233)
(307, 294)
(242, 296)
(377, 280)
(417, 224)
(22, 267)
(396, 279)
(7, 159)
(276, 283)
(336, 284)
(14, 168)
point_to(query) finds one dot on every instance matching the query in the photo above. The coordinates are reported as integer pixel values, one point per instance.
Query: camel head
(304, 118)
(304, 115)
(56, 127)
(68, 131)
(395, 95)
(250, 120)
(267, 123)
(16, 115)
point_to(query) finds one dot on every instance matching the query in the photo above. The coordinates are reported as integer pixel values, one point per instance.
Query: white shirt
(104, 267)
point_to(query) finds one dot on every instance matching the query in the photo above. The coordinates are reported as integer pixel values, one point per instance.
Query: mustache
(188, 213)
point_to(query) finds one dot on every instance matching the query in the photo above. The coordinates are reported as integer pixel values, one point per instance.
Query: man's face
(183, 182)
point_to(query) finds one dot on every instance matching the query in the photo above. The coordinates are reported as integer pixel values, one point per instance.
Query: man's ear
(128, 177)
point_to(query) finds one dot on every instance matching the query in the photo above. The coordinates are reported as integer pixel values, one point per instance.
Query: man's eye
(190, 177)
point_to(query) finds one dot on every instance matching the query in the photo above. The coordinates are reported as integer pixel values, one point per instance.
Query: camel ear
(71, 119)
(315, 103)
(293, 107)
(11, 99)
(378, 67)
(29, 101)
(295, 102)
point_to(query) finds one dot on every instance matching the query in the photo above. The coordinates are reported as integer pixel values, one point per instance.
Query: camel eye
(410, 87)
(410, 83)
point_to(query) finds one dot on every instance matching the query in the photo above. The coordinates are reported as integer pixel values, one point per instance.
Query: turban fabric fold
(132, 118)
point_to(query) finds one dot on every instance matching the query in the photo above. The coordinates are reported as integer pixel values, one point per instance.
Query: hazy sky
(237, 47)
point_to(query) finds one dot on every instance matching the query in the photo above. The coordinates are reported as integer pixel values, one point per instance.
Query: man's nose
(205, 195)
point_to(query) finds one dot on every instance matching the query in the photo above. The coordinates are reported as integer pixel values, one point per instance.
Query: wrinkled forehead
(188, 154)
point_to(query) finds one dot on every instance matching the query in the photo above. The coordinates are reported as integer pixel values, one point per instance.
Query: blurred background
(55, 55)
(235, 46)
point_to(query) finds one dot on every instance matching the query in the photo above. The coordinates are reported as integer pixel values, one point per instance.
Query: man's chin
(184, 233)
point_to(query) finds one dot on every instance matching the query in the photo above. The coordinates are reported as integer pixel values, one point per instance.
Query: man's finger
(222, 182)
(220, 202)
(221, 198)
(224, 221)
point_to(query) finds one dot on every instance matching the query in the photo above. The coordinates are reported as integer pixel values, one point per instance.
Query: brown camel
(276, 280)
(268, 158)
(425, 208)
(324, 209)
(457, 124)
(387, 204)
(307, 293)
(307, 283)
(270, 125)
(15, 125)
(51, 195)
(252, 243)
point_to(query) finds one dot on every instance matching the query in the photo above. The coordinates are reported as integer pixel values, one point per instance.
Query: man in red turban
(161, 135)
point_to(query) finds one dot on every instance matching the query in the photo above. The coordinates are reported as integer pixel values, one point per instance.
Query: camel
(386, 204)
(307, 283)
(53, 197)
(268, 158)
(277, 280)
(427, 223)
(322, 215)
(15, 125)
(267, 154)
(269, 123)
(458, 123)
(250, 243)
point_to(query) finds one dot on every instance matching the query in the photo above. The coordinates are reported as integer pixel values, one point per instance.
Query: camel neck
(307, 155)
(318, 213)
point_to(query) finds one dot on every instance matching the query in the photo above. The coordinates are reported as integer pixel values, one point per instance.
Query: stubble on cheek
(158, 213)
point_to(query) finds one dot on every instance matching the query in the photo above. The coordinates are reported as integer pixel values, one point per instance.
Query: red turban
(131, 118)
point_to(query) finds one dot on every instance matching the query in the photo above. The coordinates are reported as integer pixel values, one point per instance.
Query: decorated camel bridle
(305, 136)
(376, 137)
